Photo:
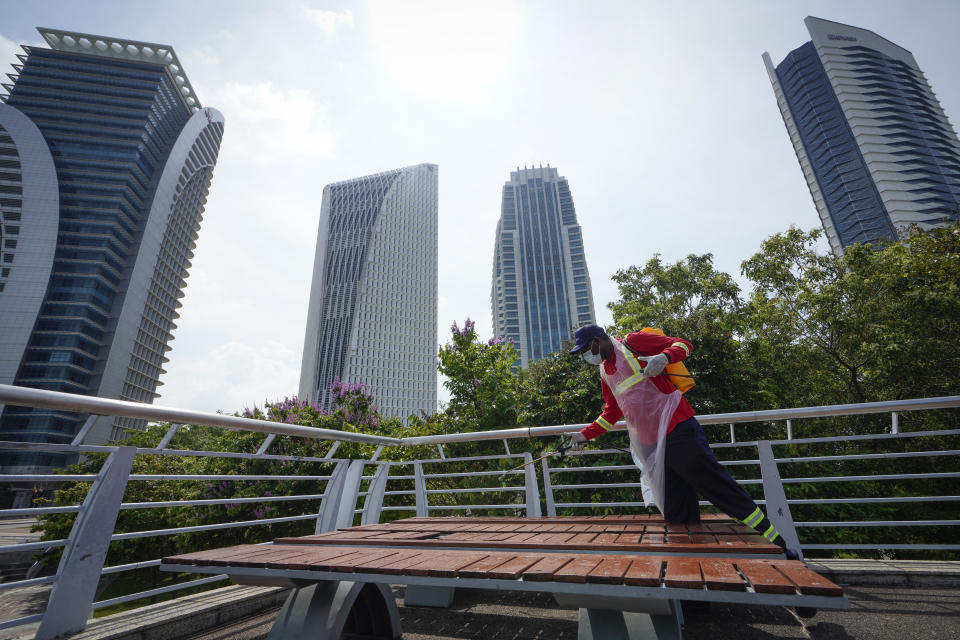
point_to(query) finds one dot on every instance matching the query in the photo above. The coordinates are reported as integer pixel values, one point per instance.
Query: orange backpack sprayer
(676, 371)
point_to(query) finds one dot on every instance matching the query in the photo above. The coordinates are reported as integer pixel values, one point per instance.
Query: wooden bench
(626, 574)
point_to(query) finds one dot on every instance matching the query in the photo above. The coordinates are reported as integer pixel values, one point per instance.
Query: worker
(666, 440)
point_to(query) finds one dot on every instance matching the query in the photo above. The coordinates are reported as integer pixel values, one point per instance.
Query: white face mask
(592, 358)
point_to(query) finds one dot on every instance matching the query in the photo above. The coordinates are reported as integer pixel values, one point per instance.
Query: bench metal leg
(418, 595)
(611, 624)
(327, 610)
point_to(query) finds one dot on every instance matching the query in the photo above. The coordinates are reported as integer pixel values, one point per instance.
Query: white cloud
(232, 376)
(328, 21)
(450, 51)
(270, 123)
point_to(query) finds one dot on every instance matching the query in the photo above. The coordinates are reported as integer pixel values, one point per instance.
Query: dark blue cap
(584, 335)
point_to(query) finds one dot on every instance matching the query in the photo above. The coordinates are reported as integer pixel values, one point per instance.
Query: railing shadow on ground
(368, 490)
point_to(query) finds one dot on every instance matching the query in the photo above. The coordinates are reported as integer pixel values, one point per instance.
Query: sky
(660, 115)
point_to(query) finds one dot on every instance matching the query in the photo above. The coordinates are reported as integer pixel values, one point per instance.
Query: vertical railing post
(373, 505)
(79, 572)
(330, 502)
(349, 494)
(733, 437)
(532, 490)
(789, 430)
(894, 422)
(420, 486)
(548, 487)
(778, 511)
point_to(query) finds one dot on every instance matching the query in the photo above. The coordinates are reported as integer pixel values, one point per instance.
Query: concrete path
(876, 613)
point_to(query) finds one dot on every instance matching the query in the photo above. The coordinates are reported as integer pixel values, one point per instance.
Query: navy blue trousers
(691, 471)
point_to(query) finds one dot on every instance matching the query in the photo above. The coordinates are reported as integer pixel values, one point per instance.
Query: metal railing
(439, 485)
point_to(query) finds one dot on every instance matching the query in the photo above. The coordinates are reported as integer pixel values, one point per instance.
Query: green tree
(483, 387)
(559, 389)
(692, 300)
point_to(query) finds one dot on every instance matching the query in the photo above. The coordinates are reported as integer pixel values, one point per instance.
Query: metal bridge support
(778, 511)
(79, 572)
(328, 610)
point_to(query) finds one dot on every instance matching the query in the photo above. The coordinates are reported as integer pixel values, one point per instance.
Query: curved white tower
(372, 317)
(104, 171)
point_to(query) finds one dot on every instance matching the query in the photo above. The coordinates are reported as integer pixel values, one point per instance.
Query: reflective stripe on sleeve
(682, 346)
(754, 518)
(771, 534)
(604, 423)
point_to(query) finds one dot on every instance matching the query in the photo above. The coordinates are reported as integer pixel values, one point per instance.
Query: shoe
(792, 554)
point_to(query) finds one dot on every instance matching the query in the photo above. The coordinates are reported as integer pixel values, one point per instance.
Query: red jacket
(646, 344)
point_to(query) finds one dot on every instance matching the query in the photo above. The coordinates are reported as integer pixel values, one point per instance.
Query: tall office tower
(541, 289)
(372, 317)
(106, 157)
(874, 144)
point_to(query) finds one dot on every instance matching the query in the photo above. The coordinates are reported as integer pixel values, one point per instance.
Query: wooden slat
(577, 569)
(720, 574)
(349, 563)
(582, 538)
(480, 568)
(202, 558)
(610, 570)
(396, 566)
(546, 567)
(310, 558)
(808, 581)
(513, 569)
(683, 573)
(644, 571)
(764, 578)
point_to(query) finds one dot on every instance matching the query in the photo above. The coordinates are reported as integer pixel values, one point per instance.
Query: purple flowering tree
(483, 387)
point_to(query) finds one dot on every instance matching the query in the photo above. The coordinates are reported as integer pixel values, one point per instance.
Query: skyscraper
(106, 157)
(541, 286)
(372, 317)
(874, 144)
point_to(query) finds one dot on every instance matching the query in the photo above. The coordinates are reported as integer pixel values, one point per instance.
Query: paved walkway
(901, 600)
(876, 613)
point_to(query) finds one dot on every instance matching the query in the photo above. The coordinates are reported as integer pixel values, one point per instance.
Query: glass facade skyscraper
(541, 289)
(106, 157)
(372, 317)
(876, 148)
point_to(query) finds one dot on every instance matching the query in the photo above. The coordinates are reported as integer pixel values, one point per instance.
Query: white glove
(656, 365)
(577, 441)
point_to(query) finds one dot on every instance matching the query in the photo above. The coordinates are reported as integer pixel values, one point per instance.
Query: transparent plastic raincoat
(647, 412)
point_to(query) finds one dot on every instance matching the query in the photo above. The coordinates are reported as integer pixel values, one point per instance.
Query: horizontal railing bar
(206, 527)
(43, 398)
(889, 476)
(16, 622)
(478, 490)
(120, 568)
(93, 448)
(609, 485)
(870, 456)
(466, 474)
(33, 511)
(235, 478)
(454, 507)
(27, 583)
(155, 592)
(34, 546)
(51, 446)
(214, 501)
(26, 477)
(881, 523)
(616, 467)
(471, 458)
(599, 504)
(869, 436)
(399, 508)
(718, 418)
(923, 547)
(399, 493)
(873, 500)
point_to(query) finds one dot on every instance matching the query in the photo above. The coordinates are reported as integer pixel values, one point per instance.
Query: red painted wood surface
(623, 534)
(679, 572)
